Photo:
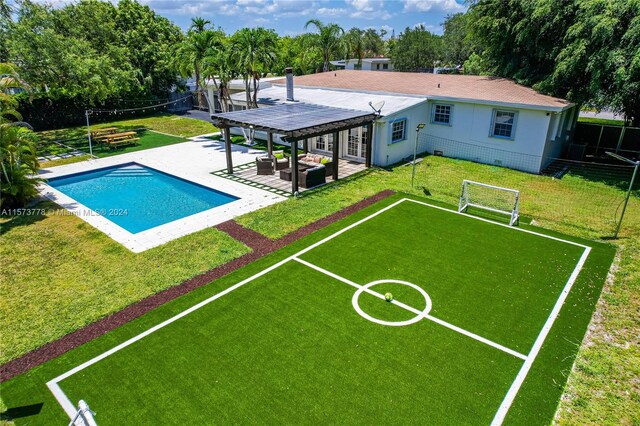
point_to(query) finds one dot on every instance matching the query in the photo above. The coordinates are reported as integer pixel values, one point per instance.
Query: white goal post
(490, 197)
(84, 416)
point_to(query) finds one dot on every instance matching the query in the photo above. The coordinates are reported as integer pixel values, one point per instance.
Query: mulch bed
(260, 245)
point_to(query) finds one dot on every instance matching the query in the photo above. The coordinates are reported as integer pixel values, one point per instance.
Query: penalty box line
(413, 310)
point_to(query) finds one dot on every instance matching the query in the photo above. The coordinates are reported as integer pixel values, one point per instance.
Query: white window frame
(433, 114)
(492, 130)
(391, 131)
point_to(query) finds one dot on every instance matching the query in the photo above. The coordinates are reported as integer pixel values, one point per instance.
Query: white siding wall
(385, 153)
(469, 136)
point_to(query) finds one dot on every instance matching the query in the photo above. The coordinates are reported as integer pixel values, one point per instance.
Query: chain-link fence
(584, 198)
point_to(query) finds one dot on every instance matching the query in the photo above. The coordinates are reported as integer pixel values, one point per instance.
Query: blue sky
(288, 17)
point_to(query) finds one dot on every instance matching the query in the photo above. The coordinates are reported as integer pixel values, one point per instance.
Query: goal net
(84, 416)
(489, 197)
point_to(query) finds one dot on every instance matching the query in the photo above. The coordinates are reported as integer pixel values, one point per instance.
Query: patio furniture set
(313, 169)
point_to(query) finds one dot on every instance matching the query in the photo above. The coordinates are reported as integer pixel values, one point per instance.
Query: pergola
(296, 122)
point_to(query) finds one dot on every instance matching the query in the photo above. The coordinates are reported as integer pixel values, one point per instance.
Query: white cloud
(435, 29)
(432, 6)
(368, 9)
(327, 11)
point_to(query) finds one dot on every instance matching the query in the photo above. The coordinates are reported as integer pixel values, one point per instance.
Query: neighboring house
(365, 64)
(484, 119)
(235, 86)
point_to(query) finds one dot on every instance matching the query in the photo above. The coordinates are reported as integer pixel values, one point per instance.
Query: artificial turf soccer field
(484, 327)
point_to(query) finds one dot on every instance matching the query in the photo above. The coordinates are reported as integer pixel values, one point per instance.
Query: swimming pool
(138, 198)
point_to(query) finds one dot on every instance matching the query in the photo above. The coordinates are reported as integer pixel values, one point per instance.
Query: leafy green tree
(299, 52)
(455, 41)
(416, 50)
(17, 146)
(587, 51)
(328, 39)
(148, 40)
(92, 49)
(373, 43)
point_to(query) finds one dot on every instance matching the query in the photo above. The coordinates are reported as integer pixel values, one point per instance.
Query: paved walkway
(194, 161)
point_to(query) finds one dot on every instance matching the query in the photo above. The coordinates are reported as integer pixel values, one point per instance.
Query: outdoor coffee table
(285, 174)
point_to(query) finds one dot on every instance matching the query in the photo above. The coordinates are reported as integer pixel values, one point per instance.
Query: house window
(504, 123)
(397, 130)
(441, 114)
(385, 66)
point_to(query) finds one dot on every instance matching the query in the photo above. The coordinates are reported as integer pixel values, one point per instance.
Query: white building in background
(365, 64)
(484, 119)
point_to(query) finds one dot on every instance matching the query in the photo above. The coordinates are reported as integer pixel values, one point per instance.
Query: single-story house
(364, 64)
(484, 119)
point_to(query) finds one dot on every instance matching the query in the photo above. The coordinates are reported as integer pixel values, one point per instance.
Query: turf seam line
(416, 311)
(533, 353)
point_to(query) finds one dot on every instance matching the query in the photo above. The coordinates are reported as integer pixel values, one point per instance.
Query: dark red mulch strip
(260, 245)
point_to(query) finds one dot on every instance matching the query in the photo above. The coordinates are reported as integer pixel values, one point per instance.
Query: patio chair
(283, 162)
(312, 177)
(264, 165)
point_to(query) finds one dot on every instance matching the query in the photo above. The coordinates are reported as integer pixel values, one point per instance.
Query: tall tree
(219, 68)
(353, 45)
(416, 50)
(328, 39)
(587, 51)
(373, 43)
(254, 50)
(455, 41)
(191, 52)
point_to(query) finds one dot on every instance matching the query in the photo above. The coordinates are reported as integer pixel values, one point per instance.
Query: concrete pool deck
(194, 161)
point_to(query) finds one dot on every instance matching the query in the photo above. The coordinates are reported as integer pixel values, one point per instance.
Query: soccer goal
(84, 416)
(489, 197)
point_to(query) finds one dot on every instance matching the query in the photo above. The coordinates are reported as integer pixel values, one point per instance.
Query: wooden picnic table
(99, 133)
(124, 138)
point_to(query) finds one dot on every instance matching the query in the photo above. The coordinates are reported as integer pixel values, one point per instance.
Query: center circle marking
(365, 315)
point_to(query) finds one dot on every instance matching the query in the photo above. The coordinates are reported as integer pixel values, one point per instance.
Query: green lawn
(156, 131)
(605, 121)
(59, 274)
(289, 341)
(183, 127)
(601, 388)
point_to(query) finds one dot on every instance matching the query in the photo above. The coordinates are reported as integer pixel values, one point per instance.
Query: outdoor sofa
(312, 160)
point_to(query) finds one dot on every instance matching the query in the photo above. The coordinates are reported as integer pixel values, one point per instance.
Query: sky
(288, 17)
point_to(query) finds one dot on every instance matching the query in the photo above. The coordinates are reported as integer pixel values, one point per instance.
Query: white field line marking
(358, 286)
(476, 337)
(64, 401)
(495, 223)
(524, 370)
(415, 311)
(59, 393)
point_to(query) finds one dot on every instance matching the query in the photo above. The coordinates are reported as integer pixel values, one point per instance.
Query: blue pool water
(138, 198)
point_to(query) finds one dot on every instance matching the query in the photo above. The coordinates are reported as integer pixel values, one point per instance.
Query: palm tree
(191, 52)
(328, 39)
(219, 68)
(254, 50)
(353, 45)
(199, 25)
(17, 145)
